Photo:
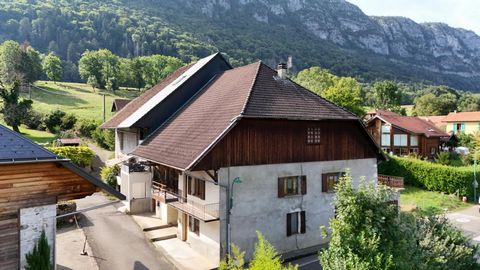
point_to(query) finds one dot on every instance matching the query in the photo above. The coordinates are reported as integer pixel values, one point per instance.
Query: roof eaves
(233, 123)
(93, 180)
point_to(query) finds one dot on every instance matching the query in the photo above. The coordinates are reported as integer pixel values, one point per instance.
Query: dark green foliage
(85, 127)
(104, 137)
(68, 122)
(34, 120)
(52, 66)
(39, 257)
(430, 104)
(432, 176)
(443, 158)
(368, 233)
(109, 175)
(187, 30)
(54, 120)
(387, 95)
(15, 109)
(80, 155)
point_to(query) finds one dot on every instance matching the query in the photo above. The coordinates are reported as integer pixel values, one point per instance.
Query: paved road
(116, 240)
(467, 220)
(308, 263)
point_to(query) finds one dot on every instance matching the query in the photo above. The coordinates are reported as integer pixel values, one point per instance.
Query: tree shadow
(47, 95)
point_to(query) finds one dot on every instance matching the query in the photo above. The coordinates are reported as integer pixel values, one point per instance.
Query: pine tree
(39, 257)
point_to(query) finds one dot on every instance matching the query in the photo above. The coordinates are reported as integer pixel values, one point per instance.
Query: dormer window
(313, 135)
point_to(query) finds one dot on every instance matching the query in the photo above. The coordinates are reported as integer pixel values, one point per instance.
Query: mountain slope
(331, 33)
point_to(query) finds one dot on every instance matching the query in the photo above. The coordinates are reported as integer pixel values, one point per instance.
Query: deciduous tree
(52, 66)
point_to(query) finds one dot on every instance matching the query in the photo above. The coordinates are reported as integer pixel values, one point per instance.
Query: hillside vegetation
(333, 34)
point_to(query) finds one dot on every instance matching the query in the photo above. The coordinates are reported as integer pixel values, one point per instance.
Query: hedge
(80, 155)
(432, 176)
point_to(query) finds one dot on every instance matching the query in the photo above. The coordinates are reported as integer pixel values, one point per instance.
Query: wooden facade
(266, 141)
(426, 147)
(28, 185)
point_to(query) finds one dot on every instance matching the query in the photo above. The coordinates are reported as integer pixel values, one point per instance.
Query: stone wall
(32, 221)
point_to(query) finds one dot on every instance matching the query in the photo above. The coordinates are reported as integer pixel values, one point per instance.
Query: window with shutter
(329, 180)
(196, 187)
(292, 185)
(296, 223)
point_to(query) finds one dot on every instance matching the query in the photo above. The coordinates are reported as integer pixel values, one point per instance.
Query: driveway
(467, 220)
(116, 240)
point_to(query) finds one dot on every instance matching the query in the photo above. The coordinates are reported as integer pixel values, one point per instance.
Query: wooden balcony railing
(205, 212)
(391, 181)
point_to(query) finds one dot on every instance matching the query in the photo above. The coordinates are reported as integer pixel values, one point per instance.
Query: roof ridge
(247, 99)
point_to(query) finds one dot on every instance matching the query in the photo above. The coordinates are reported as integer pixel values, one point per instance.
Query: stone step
(162, 234)
(159, 227)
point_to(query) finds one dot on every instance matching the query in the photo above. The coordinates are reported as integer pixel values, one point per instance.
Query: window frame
(300, 184)
(385, 134)
(196, 187)
(403, 140)
(313, 135)
(300, 221)
(326, 187)
(194, 225)
(416, 141)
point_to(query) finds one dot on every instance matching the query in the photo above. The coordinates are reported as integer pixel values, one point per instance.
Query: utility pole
(104, 109)
(475, 183)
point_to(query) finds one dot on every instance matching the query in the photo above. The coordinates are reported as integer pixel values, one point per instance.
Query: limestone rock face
(433, 46)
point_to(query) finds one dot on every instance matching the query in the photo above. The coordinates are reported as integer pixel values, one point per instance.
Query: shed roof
(252, 91)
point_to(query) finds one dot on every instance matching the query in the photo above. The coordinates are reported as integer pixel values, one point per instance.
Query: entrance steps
(162, 234)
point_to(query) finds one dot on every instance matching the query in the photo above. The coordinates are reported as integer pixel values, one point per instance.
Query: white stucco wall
(256, 205)
(32, 221)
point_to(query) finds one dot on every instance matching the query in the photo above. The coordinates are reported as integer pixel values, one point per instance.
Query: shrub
(39, 257)
(53, 120)
(68, 122)
(80, 155)
(109, 175)
(432, 176)
(105, 138)
(33, 120)
(85, 127)
(443, 158)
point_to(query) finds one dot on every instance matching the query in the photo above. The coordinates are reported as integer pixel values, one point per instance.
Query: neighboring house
(402, 135)
(118, 104)
(32, 181)
(437, 120)
(247, 139)
(462, 122)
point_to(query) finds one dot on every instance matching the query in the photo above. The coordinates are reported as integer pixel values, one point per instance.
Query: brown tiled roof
(248, 91)
(135, 104)
(462, 117)
(119, 103)
(436, 119)
(414, 125)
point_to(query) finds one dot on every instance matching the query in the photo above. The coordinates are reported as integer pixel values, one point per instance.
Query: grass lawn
(429, 202)
(76, 98)
(34, 135)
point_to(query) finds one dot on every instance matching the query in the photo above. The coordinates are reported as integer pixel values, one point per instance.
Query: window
(292, 185)
(313, 135)
(433, 150)
(413, 140)
(385, 135)
(295, 223)
(196, 187)
(194, 225)
(400, 139)
(329, 180)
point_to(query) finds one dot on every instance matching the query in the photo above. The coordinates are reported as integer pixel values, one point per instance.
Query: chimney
(282, 71)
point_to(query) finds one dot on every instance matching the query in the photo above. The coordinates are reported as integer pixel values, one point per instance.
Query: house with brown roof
(402, 135)
(462, 122)
(32, 181)
(223, 152)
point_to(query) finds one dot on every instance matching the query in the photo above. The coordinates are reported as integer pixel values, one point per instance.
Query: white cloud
(456, 13)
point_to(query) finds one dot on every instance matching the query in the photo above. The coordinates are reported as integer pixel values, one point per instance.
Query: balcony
(395, 182)
(204, 212)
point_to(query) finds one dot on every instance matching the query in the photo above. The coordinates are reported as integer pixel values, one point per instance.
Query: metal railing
(390, 181)
(205, 212)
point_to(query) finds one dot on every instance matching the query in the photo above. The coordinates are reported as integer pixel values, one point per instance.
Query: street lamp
(230, 205)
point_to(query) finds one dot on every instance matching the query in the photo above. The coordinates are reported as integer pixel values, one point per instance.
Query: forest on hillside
(139, 28)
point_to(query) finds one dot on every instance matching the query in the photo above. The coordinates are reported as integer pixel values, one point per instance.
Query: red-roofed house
(406, 134)
(462, 122)
(233, 150)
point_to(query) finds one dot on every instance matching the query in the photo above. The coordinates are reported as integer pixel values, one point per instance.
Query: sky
(456, 13)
